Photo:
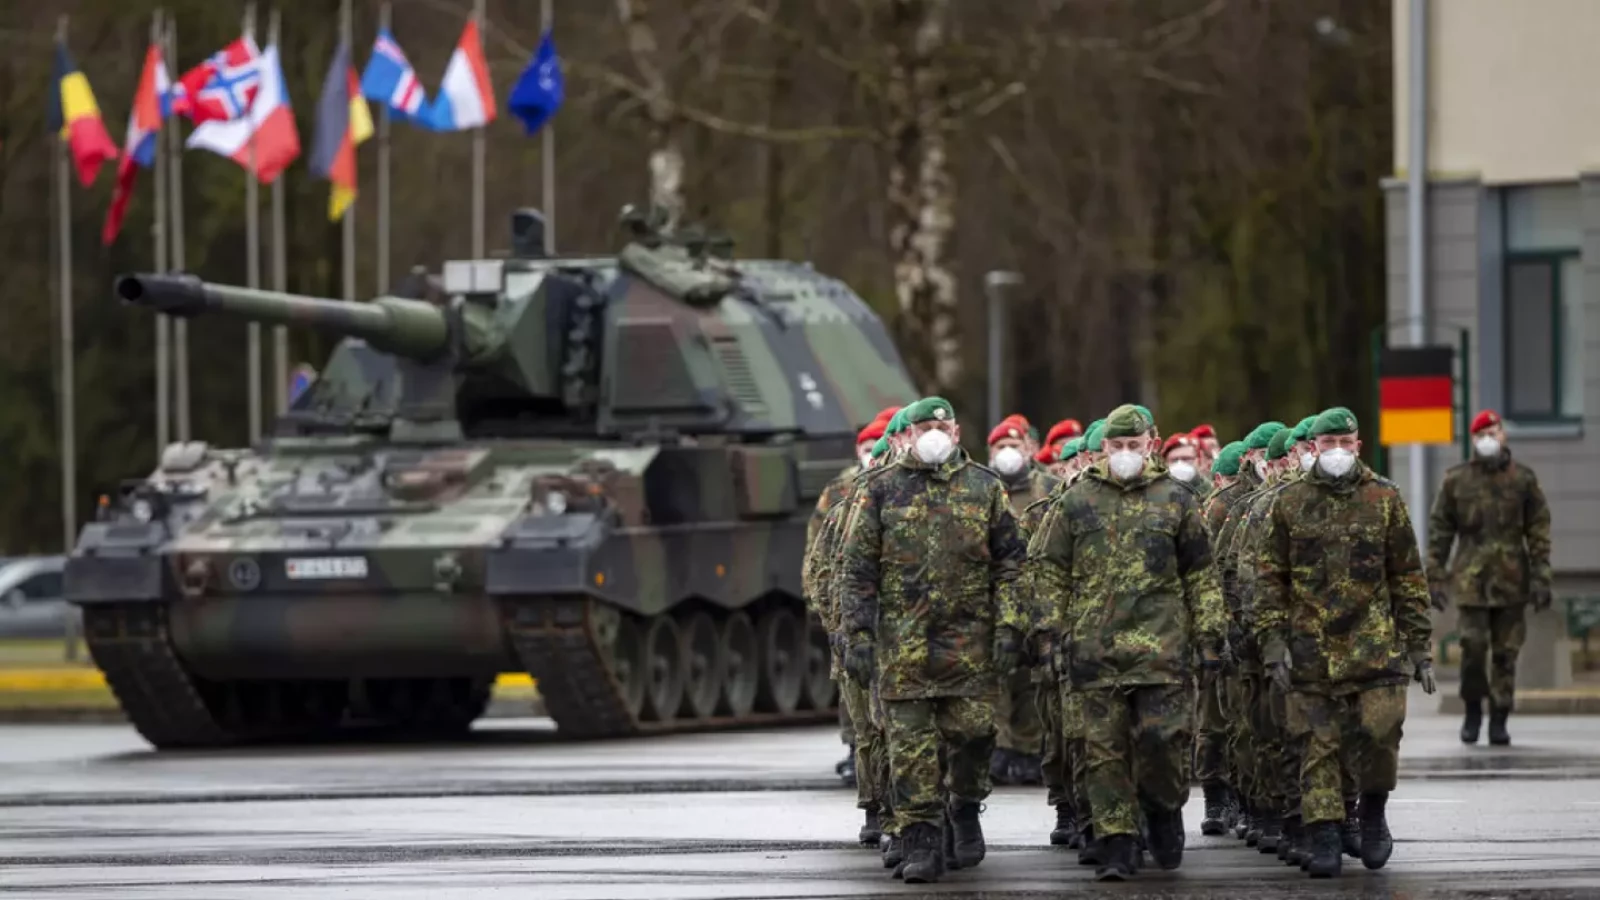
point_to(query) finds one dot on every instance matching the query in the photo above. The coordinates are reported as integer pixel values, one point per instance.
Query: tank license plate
(326, 567)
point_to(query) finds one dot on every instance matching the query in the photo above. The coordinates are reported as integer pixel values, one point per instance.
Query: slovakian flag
(267, 131)
(139, 147)
(343, 122)
(541, 88)
(76, 117)
(390, 80)
(223, 87)
(466, 99)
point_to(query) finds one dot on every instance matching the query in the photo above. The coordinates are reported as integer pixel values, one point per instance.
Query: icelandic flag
(466, 99)
(139, 147)
(268, 130)
(390, 80)
(223, 87)
(540, 89)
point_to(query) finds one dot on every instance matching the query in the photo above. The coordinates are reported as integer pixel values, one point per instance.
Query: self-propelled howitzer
(596, 471)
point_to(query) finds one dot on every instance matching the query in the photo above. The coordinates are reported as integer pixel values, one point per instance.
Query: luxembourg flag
(139, 148)
(466, 99)
(269, 124)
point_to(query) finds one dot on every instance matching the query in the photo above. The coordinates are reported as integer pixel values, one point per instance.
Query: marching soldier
(1209, 446)
(1181, 454)
(928, 570)
(1492, 511)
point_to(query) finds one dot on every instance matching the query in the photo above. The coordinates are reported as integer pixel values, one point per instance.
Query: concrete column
(1546, 660)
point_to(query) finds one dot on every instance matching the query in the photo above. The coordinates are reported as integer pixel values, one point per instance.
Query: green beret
(1302, 431)
(897, 422)
(1069, 449)
(1336, 420)
(1091, 438)
(1228, 459)
(1278, 447)
(1127, 421)
(879, 448)
(1147, 413)
(1262, 435)
(929, 408)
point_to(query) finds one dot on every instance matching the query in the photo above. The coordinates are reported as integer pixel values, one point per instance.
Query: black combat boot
(1214, 822)
(924, 854)
(1271, 831)
(967, 835)
(871, 829)
(1323, 846)
(1289, 844)
(1350, 830)
(1376, 843)
(1230, 809)
(894, 852)
(1092, 850)
(1473, 722)
(1026, 768)
(1000, 766)
(1166, 837)
(1498, 736)
(947, 844)
(1066, 830)
(1118, 858)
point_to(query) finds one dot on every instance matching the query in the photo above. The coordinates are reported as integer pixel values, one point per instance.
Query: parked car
(31, 605)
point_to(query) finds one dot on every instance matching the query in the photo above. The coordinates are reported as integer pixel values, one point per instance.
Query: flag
(223, 87)
(342, 123)
(75, 116)
(540, 89)
(269, 124)
(1416, 395)
(139, 147)
(390, 80)
(466, 99)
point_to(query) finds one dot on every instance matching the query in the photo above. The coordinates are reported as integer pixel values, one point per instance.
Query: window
(1543, 303)
(46, 586)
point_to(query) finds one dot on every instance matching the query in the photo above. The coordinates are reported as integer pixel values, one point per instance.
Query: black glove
(1424, 674)
(1441, 600)
(1278, 674)
(860, 662)
(1209, 670)
(1007, 651)
(1540, 598)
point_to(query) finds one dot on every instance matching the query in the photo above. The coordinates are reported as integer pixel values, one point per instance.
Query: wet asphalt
(90, 811)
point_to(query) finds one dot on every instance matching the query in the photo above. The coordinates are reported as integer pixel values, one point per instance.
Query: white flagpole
(158, 234)
(252, 231)
(385, 15)
(180, 327)
(477, 161)
(280, 265)
(68, 411)
(547, 150)
(348, 226)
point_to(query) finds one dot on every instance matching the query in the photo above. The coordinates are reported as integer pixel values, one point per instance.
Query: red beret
(1066, 428)
(886, 414)
(1009, 427)
(1047, 454)
(1486, 419)
(1178, 440)
(1203, 431)
(872, 432)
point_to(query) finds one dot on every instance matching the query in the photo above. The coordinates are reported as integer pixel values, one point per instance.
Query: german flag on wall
(76, 117)
(1416, 395)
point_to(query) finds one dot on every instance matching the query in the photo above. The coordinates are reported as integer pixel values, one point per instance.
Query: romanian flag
(343, 122)
(76, 117)
(1416, 395)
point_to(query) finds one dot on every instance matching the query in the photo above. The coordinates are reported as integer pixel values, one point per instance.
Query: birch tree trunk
(665, 159)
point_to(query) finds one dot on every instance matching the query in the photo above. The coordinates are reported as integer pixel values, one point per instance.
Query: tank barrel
(409, 328)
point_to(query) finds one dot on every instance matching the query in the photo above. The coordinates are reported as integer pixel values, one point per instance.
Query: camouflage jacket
(1130, 564)
(928, 567)
(1033, 484)
(1243, 554)
(814, 565)
(1339, 584)
(1228, 510)
(1495, 514)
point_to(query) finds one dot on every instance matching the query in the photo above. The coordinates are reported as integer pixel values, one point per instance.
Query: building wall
(1513, 96)
(1464, 291)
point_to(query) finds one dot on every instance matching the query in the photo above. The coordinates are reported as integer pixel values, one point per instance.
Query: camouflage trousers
(872, 752)
(1271, 767)
(1137, 743)
(1016, 715)
(1241, 753)
(1491, 639)
(1057, 767)
(847, 725)
(1074, 761)
(1211, 734)
(1344, 738)
(938, 753)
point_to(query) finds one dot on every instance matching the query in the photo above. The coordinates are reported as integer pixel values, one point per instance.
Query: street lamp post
(995, 283)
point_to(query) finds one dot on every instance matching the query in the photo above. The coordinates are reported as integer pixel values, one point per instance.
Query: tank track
(131, 645)
(553, 637)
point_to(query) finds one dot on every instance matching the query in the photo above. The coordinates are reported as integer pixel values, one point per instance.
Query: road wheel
(741, 665)
(702, 665)
(782, 639)
(664, 675)
(819, 687)
(628, 664)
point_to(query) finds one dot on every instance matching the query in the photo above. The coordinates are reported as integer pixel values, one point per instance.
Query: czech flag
(268, 127)
(466, 99)
(139, 147)
(343, 122)
(75, 116)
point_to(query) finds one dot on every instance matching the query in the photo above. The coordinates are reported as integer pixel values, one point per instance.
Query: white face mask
(934, 446)
(1261, 468)
(1307, 460)
(1127, 463)
(865, 459)
(1337, 462)
(1009, 461)
(1487, 446)
(1183, 471)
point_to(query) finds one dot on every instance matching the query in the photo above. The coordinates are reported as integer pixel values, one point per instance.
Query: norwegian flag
(221, 88)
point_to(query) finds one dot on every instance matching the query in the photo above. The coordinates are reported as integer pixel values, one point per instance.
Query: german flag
(343, 122)
(1416, 395)
(75, 116)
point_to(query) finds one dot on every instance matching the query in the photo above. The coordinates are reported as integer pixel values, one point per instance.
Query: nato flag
(539, 91)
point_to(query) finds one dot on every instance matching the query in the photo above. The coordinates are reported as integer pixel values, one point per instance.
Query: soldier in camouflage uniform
(1019, 731)
(1057, 601)
(1128, 549)
(928, 570)
(1213, 766)
(1056, 764)
(1181, 455)
(1210, 447)
(1492, 511)
(1339, 609)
